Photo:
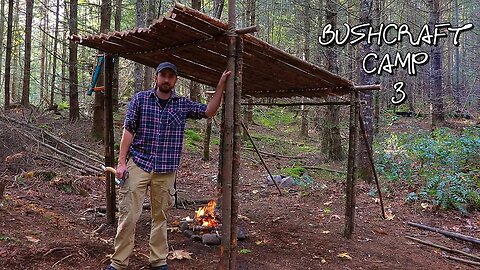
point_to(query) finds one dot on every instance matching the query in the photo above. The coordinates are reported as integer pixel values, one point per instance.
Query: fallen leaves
(32, 239)
(345, 256)
(179, 255)
(245, 251)
(389, 215)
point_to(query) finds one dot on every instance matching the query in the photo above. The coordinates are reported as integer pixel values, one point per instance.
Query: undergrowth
(441, 168)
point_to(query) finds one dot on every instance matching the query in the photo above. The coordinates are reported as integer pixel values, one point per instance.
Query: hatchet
(119, 182)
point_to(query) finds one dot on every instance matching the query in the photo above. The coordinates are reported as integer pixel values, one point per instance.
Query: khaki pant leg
(162, 198)
(132, 196)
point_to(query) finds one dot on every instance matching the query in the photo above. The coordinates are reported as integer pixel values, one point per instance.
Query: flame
(206, 216)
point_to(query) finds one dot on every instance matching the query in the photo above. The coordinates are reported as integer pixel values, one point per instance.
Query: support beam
(352, 167)
(109, 139)
(247, 30)
(227, 251)
(299, 104)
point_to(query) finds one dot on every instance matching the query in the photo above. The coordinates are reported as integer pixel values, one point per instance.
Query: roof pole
(228, 248)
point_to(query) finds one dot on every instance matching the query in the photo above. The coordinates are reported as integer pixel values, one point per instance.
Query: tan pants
(132, 196)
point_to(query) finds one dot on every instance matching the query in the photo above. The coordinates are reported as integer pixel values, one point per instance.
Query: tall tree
(148, 71)
(54, 63)
(138, 68)
(2, 30)
(116, 59)
(457, 91)
(43, 53)
(74, 110)
(331, 139)
(364, 170)
(16, 55)
(218, 8)
(8, 53)
(98, 130)
(306, 53)
(436, 93)
(28, 52)
(195, 86)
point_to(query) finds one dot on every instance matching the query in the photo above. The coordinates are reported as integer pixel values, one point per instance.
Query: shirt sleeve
(132, 116)
(196, 110)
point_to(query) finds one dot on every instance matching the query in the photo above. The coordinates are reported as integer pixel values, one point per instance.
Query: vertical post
(109, 139)
(237, 140)
(227, 151)
(351, 170)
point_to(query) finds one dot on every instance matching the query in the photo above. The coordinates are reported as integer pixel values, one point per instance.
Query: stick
(446, 233)
(461, 260)
(428, 243)
(323, 169)
(270, 154)
(260, 156)
(370, 158)
(64, 258)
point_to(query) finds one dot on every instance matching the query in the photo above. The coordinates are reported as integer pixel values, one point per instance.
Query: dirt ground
(54, 223)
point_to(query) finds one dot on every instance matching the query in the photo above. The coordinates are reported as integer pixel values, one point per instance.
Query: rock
(286, 182)
(196, 237)
(188, 233)
(211, 239)
(277, 179)
(184, 225)
(241, 233)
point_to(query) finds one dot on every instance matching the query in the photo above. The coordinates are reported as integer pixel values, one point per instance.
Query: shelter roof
(198, 45)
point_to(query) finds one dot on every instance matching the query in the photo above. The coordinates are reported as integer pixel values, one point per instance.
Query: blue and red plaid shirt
(158, 132)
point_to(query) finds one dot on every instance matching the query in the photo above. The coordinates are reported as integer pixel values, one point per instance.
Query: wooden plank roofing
(197, 44)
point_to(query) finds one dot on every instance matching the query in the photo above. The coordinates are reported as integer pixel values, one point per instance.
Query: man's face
(166, 80)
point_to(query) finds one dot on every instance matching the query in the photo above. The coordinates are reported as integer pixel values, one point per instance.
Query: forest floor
(52, 222)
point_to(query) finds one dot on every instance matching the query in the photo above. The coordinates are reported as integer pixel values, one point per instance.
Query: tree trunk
(195, 86)
(17, 71)
(116, 59)
(218, 8)
(251, 20)
(2, 30)
(43, 54)
(148, 71)
(331, 139)
(98, 130)
(8, 53)
(72, 63)
(436, 95)
(364, 169)
(457, 92)
(28, 52)
(306, 53)
(138, 70)
(54, 63)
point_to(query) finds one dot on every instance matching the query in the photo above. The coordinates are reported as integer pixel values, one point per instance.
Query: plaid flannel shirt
(158, 133)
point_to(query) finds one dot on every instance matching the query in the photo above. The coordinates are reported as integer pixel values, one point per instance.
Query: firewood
(428, 243)
(446, 233)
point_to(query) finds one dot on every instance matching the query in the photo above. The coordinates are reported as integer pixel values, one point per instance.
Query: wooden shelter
(202, 47)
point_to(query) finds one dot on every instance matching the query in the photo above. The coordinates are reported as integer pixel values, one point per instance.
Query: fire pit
(205, 226)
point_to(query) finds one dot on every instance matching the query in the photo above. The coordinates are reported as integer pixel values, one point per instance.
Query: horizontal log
(446, 233)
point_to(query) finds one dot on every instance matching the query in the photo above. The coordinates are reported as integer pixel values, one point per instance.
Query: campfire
(206, 217)
(205, 226)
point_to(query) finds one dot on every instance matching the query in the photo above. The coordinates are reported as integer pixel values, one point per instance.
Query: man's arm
(215, 101)
(125, 142)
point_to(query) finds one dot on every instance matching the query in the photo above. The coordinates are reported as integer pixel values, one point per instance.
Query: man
(150, 151)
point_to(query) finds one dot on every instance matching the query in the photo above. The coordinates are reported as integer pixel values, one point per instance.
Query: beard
(165, 88)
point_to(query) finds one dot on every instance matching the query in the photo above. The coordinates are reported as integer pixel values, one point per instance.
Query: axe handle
(110, 169)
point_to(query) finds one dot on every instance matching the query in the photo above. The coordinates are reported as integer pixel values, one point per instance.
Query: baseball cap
(165, 65)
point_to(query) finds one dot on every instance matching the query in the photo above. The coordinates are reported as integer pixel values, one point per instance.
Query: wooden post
(351, 170)
(237, 140)
(109, 139)
(226, 252)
